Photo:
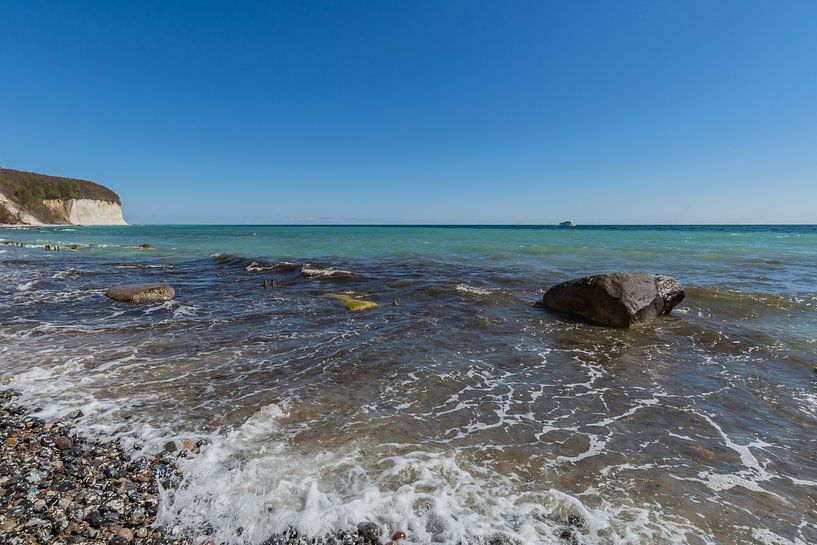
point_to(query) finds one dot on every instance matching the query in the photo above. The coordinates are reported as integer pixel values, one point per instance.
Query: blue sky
(420, 112)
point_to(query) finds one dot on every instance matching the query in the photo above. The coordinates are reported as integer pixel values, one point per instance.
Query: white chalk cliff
(87, 211)
(37, 199)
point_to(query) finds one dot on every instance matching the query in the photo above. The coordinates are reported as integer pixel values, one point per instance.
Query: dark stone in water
(618, 300)
(369, 531)
(141, 293)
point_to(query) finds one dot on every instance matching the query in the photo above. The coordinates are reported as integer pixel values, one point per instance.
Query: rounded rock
(616, 300)
(369, 531)
(141, 293)
(63, 442)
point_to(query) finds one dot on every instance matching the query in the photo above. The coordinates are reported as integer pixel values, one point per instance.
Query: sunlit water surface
(462, 413)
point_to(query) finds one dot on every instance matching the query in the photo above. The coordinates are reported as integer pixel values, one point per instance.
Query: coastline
(58, 485)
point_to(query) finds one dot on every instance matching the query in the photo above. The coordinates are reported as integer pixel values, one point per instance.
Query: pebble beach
(59, 487)
(56, 486)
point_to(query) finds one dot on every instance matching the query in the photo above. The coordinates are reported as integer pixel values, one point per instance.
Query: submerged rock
(617, 300)
(141, 293)
(351, 303)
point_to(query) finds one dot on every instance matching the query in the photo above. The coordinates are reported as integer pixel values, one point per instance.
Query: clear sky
(420, 112)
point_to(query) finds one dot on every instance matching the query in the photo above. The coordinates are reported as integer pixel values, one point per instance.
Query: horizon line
(555, 225)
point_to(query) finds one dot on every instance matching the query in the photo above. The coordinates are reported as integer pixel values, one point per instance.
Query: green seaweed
(351, 303)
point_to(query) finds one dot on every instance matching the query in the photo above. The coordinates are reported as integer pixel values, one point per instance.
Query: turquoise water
(696, 253)
(457, 410)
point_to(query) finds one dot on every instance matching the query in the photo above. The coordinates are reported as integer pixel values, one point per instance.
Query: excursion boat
(567, 223)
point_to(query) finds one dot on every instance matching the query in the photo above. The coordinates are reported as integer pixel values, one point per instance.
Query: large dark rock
(618, 300)
(141, 293)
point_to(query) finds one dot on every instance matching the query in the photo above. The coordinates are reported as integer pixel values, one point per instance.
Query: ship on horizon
(567, 223)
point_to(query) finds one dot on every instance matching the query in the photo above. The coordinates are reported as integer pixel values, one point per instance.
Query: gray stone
(369, 531)
(141, 293)
(617, 300)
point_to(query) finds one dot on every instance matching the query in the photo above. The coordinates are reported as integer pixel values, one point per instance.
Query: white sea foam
(473, 290)
(311, 270)
(25, 286)
(807, 402)
(258, 267)
(767, 537)
(253, 478)
(62, 385)
(68, 273)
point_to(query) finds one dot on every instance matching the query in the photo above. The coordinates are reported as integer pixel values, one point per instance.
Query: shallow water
(462, 413)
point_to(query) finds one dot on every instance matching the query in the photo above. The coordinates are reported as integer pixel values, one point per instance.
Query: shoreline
(56, 485)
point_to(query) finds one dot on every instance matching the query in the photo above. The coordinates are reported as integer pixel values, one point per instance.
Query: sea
(458, 410)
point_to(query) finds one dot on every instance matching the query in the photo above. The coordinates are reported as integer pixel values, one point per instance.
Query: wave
(779, 301)
(250, 484)
(258, 267)
(251, 264)
(323, 271)
(473, 290)
(134, 265)
(25, 286)
(309, 270)
(68, 273)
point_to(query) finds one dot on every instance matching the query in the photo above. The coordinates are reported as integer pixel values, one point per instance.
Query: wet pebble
(369, 531)
(63, 442)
